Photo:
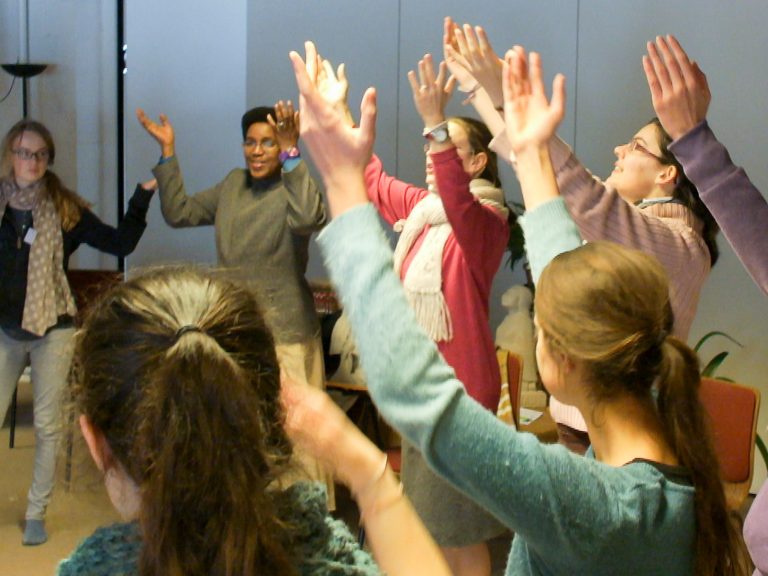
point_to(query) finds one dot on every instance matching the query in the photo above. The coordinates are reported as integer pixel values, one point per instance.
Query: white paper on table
(528, 416)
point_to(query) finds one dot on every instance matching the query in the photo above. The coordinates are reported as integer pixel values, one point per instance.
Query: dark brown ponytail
(719, 547)
(177, 370)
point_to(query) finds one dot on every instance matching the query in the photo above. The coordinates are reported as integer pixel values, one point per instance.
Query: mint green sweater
(571, 515)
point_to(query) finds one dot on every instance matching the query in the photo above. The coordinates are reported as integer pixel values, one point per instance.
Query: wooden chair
(85, 286)
(733, 410)
(511, 366)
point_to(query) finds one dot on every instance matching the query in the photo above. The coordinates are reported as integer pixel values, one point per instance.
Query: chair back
(87, 285)
(733, 410)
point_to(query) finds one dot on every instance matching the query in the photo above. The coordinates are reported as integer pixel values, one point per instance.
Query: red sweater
(471, 257)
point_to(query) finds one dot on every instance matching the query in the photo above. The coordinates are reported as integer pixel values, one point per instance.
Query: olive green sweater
(262, 235)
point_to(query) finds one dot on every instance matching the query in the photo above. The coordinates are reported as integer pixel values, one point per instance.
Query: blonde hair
(608, 307)
(68, 204)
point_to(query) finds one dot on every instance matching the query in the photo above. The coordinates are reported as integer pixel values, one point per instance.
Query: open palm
(162, 132)
(531, 119)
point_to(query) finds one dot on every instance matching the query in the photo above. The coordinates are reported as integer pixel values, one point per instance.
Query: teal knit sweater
(571, 515)
(324, 545)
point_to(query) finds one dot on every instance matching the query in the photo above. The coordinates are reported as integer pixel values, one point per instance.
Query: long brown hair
(177, 369)
(68, 204)
(479, 137)
(608, 306)
(687, 193)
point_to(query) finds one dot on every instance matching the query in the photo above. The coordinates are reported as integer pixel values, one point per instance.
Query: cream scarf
(48, 293)
(424, 279)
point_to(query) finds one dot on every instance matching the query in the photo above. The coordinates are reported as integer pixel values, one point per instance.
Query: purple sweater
(739, 208)
(742, 213)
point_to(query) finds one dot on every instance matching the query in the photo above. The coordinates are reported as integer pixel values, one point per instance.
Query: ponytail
(201, 417)
(193, 416)
(719, 547)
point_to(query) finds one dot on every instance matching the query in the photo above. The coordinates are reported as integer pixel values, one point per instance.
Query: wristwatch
(438, 133)
(292, 152)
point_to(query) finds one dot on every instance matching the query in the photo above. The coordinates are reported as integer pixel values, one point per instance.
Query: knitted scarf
(424, 279)
(48, 294)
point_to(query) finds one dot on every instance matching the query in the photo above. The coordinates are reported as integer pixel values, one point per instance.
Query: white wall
(204, 63)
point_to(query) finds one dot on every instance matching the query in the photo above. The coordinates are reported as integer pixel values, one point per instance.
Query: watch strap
(292, 152)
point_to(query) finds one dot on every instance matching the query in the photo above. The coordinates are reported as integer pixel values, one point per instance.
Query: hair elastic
(188, 328)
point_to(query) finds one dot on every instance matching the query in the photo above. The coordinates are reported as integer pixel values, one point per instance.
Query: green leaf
(763, 450)
(709, 335)
(712, 366)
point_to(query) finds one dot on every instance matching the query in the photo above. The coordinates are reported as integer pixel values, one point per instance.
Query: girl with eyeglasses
(647, 202)
(738, 206)
(43, 223)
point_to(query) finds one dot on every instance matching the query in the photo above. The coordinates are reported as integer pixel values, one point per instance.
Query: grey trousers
(50, 358)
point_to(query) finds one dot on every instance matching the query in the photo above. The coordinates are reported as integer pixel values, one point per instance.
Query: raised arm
(531, 121)
(477, 69)
(306, 211)
(179, 209)
(401, 544)
(478, 229)
(681, 96)
(120, 240)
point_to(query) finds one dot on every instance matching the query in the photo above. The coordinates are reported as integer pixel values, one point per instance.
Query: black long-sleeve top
(90, 230)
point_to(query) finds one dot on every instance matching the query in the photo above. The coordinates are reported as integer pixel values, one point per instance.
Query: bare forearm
(400, 542)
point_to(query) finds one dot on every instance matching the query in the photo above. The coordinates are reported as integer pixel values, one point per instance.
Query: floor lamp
(25, 72)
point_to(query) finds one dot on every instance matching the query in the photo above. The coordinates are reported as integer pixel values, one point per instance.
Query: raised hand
(453, 58)
(431, 93)
(679, 89)
(339, 151)
(470, 49)
(334, 87)
(286, 125)
(162, 132)
(531, 120)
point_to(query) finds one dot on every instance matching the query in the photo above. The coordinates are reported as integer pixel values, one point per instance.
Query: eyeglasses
(40, 156)
(634, 144)
(266, 144)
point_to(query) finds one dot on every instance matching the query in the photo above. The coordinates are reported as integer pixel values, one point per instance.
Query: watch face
(440, 134)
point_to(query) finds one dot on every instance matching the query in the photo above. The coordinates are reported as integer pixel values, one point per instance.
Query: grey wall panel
(187, 61)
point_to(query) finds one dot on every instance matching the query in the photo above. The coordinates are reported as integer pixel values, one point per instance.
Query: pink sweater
(471, 257)
(670, 232)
